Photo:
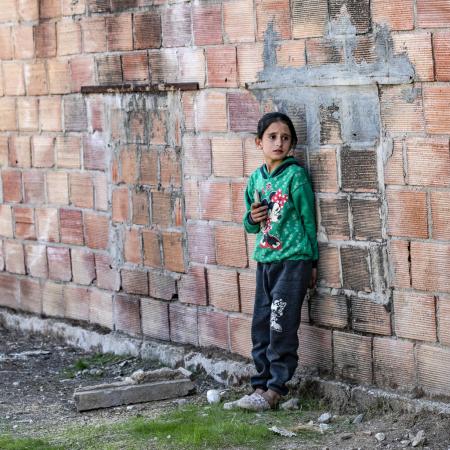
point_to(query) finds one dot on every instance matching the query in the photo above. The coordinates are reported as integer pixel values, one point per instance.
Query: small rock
(130, 407)
(405, 442)
(16, 383)
(311, 423)
(325, 418)
(213, 396)
(380, 437)
(358, 419)
(282, 431)
(180, 401)
(419, 438)
(324, 427)
(346, 436)
(291, 405)
(368, 433)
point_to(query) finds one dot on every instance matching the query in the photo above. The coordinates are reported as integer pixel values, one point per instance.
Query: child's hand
(313, 280)
(258, 213)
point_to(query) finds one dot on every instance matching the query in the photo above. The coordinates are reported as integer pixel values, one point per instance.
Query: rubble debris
(292, 404)
(282, 431)
(325, 418)
(380, 437)
(358, 419)
(419, 439)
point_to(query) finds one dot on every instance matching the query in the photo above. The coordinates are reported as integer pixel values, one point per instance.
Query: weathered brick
(176, 26)
(101, 192)
(309, 18)
(443, 318)
(28, 9)
(211, 111)
(59, 267)
(402, 109)
(94, 34)
(440, 212)
(170, 168)
(8, 114)
(12, 186)
(4, 151)
(83, 266)
(81, 190)
(213, 329)
(20, 151)
(109, 69)
(429, 264)
(70, 8)
(6, 43)
(291, 54)
(207, 24)
(223, 289)
(252, 156)
(120, 5)
(45, 40)
(334, 217)
(94, 152)
(107, 276)
(353, 357)
(396, 15)
(36, 260)
(96, 112)
(250, 62)
(192, 66)
(237, 200)
(6, 221)
(68, 34)
(134, 281)
(359, 170)
(24, 223)
(82, 70)
(30, 295)
(164, 65)
(13, 80)
(75, 117)
(162, 286)
(23, 42)
(33, 187)
(135, 67)
(14, 257)
(247, 289)
(366, 218)
(50, 113)
(27, 114)
(394, 171)
(59, 78)
(158, 128)
(215, 200)
(240, 335)
(9, 286)
(99, 6)
(71, 222)
(227, 157)
(432, 13)
(76, 301)
(68, 152)
(358, 10)
(155, 319)
(315, 349)
(127, 314)
(147, 30)
(47, 224)
(330, 310)
(183, 324)
(120, 207)
(329, 267)
(355, 270)
(49, 9)
(394, 366)
(43, 151)
(433, 369)
(152, 251)
(132, 246)
(330, 123)
(192, 286)
(128, 160)
(197, 156)
(191, 199)
(201, 244)
(275, 14)
(398, 252)
(96, 230)
(323, 170)
(437, 117)
(140, 208)
(101, 308)
(222, 70)
(230, 246)
(119, 32)
(238, 21)
(370, 317)
(53, 299)
(428, 161)
(441, 52)
(161, 208)
(173, 251)
(57, 188)
(243, 105)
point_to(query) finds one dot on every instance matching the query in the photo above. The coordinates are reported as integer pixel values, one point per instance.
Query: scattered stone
(325, 418)
(311, 423)
(368, 432)
(405, 442)
(213, 396)
(380, 437)
(419, 439)
(180, 401)
(130, 407)
(324, 427)
(292, 404)
(141, 376)
(304, 427)
(282, 431)
(358, 419)
(346, 436)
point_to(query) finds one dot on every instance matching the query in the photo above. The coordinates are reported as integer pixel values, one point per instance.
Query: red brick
(223, 289)
(109, 69)
(429, 266)
(6, 221)
(192, 286)
(183, 323)
(370, 317)
(215, 200)
(191, 199)
(399, 263)
(2, 258)
(173, 251)
(101, 310)
(43, 151)
(222, 69)
(394, 171)
(162, 286)
(57, 188)
(253, 157)
(96, 230)
(135, 67)
(36, 260)
(68, 150)
(4, 151)
(329, 267)
(187, 100)
(140, 208)
(9, 286)
(152, 252)
(94, 152)
(53, 299)
(408, 213)
(161, 208)
(70, 8)
(107, 276)
(213, 329)
(30, 295)
(402, 109)
(394, 366)
(27, 114)
(8, 114)
(437, 117)
(132, 246)
(441, 52)
(237, 196)
(23, 42)
(155, 319)
(24, 223)
(227, 157)
(135, 282)
(119, 33)
(81, 190)
(6, 47)
(324, 170)
(334, 217)
(13, 80)
(230, 246)
(28, 9)
(192, 65)
(276, 14)
(330, 310)
(443, 319)
(20, 151)
(71, 226)
(83, 266)
(291, 54)
(50, 113)
(68, 37)
(127, 314)
(147, 30)
(355, 270)
(428, 161)
(197, 156)
(75, 117)
(247, 288)
(45, 40)
(12, 186)
(47, 224)
(128, 161)
(201, 245)
(164, 65)
(59, 263)
(120, 208)
(238, 21)
(33, 187)
(211, 111)
(250, 62)
(440, 212)
(49, 9)
(309, 18)
(76, 301)
(396, 15)
(96, 112)
(358, 12)
(432, 13)
(415, 316)
(94, 34)
(99, 6)
(359, 170)
(101, 192)
(59, 77)
(170, 168)
(433, 369)
(176, 26)
(243, 105)
(207, 24)
(82, 70)
(315, 349)
(353, 357)
(14, 257)
(366, 218)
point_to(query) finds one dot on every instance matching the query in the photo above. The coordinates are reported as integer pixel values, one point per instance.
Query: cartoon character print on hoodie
(274, 204)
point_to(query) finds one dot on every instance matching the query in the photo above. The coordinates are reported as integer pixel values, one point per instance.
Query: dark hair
(269, 118)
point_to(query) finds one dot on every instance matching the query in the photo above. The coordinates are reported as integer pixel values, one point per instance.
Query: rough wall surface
(124, 210)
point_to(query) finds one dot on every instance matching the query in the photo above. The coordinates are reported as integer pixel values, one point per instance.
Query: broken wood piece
(116, 394)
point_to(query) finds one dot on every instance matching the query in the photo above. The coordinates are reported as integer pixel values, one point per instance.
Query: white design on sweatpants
(276, 312)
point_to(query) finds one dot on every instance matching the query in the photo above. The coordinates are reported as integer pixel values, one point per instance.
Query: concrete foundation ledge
(342, 396)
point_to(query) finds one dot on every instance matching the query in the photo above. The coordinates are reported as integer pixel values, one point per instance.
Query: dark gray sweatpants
(280, 290)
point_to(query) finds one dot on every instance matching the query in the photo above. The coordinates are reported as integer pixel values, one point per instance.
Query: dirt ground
(38, 376)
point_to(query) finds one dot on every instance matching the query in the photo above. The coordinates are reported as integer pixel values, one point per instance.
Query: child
(280, 209)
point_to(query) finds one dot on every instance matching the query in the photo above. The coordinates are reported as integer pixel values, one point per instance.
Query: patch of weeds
(8, 442)
(98, 360)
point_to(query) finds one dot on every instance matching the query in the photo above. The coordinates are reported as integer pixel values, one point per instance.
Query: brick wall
(124, 210)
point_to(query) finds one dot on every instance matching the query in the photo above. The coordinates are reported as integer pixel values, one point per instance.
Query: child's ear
(258, 142)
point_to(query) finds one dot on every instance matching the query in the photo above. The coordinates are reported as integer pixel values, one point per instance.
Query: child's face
(276, 143)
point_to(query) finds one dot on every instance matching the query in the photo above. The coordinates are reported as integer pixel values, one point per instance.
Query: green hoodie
(289, 233)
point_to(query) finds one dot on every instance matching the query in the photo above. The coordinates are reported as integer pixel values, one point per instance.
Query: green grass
(95, 361)
(10, 443)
